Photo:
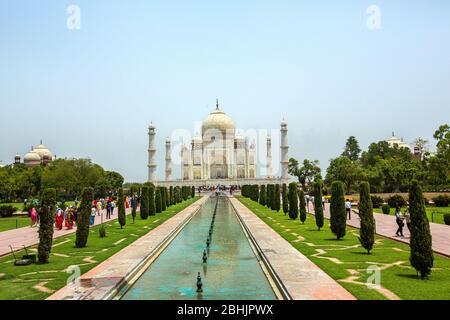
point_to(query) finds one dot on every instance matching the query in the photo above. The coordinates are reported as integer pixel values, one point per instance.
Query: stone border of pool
(299, 276)
(113, 276)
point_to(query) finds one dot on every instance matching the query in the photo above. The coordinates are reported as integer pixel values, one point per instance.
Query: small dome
(17, 157)
(218, 120)
(42, 151)
(32, 156)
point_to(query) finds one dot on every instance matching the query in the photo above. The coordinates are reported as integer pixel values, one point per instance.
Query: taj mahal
(219, 156)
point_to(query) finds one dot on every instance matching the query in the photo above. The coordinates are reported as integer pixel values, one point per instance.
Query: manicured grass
(17, 205)
(19, 282)
(14, 222)
(438, 218)
(344, 258)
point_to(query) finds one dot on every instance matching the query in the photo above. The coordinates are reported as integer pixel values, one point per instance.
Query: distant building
(39, 155)
(393, 140)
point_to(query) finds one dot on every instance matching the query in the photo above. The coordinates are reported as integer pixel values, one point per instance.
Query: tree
(338, 217)
(285, 200)
(158, 201)
(318, 206)
(276, 200)
(84, 217)
(145, 203)
(345, 170)
(352, 149)
(301, 196)
(122, 213)
(163, 199)
(269, 196)
(46, 221)
(367, 224)
(262, 195)
(293, 201)
(193, 192)
(305, 173)
(421, 256)
(171, 196)
(151, 200)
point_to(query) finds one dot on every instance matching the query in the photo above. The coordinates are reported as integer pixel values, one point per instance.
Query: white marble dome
(218, 121)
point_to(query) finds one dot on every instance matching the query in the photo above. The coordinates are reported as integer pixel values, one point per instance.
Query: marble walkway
(302, 279)
(28, 236)
(386, 226)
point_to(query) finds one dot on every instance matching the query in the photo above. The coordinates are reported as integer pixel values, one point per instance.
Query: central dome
(218, 121)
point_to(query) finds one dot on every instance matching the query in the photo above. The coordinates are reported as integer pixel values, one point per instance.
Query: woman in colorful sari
(69, 219)
(34, 216)
(127, 202)
(59, 219)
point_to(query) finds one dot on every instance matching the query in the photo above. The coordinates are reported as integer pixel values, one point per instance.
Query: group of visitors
(67, 217)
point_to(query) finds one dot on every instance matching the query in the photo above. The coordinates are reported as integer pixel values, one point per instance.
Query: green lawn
(438, 218)
(343, 258)
(14, 222)
(20, 282)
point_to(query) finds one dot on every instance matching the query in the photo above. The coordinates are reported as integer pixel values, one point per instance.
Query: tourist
(323, 202)
(312, 201)
(132, 201)
(399, 220)
(93, 212)
(348, 208)
(69, 219)
(66, 212)
(99, 207)
(75, 214)
(307, 201)
(408, 219)
(127, 202)
(108, 209)
(34, 217)
(59, 219)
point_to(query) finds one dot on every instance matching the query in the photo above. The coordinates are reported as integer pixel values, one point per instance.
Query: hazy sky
(93, 92)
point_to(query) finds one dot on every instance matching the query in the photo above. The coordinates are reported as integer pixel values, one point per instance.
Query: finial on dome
(217, 104)
(41, 141)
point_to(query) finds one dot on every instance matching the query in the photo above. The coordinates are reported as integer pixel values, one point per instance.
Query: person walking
(34, 217)
(307, 202)
(399, 220)
(408, 220)
(348, 208)
(108, 209)
(93, 212)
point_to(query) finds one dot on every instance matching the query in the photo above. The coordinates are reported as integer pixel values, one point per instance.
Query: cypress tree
(145, 202)
(158, 200)
(285, 200)
(151, 200)
(46, 221)
(338, 218)
(293, 201)
(367, 228)
(83, 218)
(262, 195)
(166, 191)
(122, 213)
(134, 206)
(318, 207)
(193, 192)
(277, 201)
(163, 199)
(269, 196)
(303, 214)
(421, 256)
(171, 196)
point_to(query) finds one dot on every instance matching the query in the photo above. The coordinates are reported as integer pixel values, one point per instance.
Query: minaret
(168, 160)
(269, 157)
(284, 151)
(151, 153)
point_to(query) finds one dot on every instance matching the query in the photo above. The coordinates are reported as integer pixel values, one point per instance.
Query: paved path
(386, 226)
(29, 236)
(300, 276)
(102, 282)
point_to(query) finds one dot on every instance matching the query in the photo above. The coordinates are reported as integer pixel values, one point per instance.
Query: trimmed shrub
(447, 219)
(193, 192)
(151, 200)
(285, 200)
(318, 206)
(122, 217)
(171, 196)
(421, 257)
(7, 211)
(377, 201)
(262, 195)
(46, 221)
(276, 200)
(83, 218)
(386, 209)
(158, 201)
(293, 201)
(442, 201)
(145, 202)
(303, 214)
(255, 193)
(338, 217)
(396, 201)
(367, 224)
(102, 231)
(163, 199)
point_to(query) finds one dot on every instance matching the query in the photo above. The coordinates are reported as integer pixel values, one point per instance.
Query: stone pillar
(151, 153)
(284, 151)
(168, 160)
(269, 157)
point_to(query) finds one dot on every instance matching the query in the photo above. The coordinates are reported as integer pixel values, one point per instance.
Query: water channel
(232, 272)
